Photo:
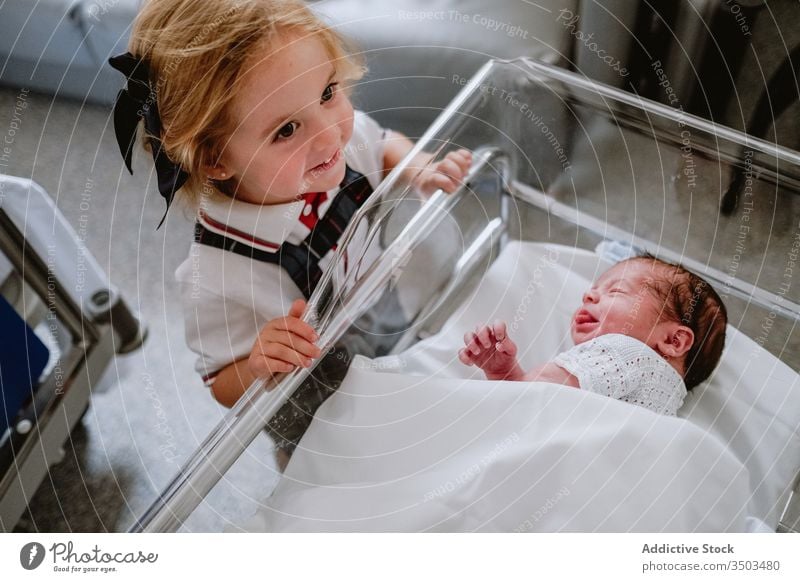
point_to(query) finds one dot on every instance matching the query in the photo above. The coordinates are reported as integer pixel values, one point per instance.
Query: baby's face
(293, 122)
(619, 302)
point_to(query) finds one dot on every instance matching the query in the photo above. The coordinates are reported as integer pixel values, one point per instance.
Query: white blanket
(393, 452)
(418, 442)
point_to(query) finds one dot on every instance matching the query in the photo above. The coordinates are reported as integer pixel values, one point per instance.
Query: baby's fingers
(507, 347)
(465, 357)
(499, 329)
(468, 338)
(472, 344)
(484, 335)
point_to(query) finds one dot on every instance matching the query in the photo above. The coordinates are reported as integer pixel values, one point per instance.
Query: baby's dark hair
(689, 299)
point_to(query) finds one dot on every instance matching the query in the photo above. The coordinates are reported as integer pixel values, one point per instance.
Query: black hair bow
(138, 101)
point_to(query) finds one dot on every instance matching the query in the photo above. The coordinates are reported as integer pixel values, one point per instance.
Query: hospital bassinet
(559, 159)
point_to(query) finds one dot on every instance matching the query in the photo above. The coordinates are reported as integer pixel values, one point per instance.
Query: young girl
(246, 112)
(645, 328)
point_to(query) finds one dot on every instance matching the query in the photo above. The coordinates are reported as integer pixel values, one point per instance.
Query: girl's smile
(328, 164)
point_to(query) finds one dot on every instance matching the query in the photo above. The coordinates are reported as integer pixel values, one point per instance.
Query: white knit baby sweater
(622, 367)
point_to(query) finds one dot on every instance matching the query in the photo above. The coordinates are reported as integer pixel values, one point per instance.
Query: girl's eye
(287, 130)
(329, 92)
(616, 290)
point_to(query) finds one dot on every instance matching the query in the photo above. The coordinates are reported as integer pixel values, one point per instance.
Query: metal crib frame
(93, 326)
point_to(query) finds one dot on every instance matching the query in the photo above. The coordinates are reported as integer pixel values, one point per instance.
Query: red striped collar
(262, 227)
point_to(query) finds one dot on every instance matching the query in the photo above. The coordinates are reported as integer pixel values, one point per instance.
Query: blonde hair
(197, 52)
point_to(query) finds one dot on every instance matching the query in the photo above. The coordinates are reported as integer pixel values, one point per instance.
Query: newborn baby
(646, 332)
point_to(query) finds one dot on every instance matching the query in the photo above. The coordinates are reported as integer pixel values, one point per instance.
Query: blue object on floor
(23, 358)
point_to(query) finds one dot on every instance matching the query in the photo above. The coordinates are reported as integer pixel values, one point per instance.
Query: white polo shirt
(227, 298)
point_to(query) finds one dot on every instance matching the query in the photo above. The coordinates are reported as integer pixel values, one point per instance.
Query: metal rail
(741, 289)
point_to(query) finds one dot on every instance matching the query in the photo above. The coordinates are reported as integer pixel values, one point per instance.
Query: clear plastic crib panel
(406, 257)
(589, 162)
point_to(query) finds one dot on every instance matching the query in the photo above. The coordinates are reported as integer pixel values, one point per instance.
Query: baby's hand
(492, 351)
(446, 174)
(283, 344)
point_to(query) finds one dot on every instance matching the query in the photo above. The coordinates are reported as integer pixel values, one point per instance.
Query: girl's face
(620, 301)
(293, 121)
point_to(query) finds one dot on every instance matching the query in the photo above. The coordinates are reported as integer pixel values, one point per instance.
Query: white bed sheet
(751, 402)
(418, 442)
(391, 452)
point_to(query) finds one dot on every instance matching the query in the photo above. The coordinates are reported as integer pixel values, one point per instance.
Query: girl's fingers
(297, 327)
(463, 158)
(468, 337)
(262, 366)
(278, 366)
(460, 155)
(300, 345)
(465, 357)
(297, 308)
(449, 168)
(286, 354)
(291, 341)
(442, 182)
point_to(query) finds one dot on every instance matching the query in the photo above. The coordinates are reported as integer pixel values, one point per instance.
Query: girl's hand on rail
(490, 349)
(447, 173)
(283, 344)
